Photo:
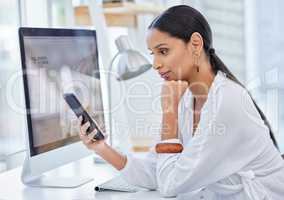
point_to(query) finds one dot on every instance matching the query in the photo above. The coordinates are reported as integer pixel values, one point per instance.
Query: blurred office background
(247, 36)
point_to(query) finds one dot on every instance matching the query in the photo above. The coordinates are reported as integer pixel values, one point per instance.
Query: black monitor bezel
(30, 31)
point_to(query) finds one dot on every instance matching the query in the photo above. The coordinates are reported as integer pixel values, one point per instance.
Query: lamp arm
(109, 97)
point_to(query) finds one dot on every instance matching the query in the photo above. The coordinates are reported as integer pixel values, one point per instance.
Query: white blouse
(230, 156)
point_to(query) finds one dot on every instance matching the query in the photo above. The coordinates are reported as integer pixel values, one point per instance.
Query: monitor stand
(51, 181)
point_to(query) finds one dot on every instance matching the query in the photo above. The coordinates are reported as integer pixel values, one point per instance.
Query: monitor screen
(58, 61)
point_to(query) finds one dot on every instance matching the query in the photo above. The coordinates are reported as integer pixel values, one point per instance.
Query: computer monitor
(54, 62)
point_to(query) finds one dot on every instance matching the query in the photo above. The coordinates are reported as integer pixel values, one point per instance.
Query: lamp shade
(131, 62)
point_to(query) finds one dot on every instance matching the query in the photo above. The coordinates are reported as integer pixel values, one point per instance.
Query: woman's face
(172, 56)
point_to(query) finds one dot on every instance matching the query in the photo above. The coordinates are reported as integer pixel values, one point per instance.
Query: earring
(195, 59)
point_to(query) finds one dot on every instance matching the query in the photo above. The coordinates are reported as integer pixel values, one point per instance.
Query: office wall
(12, 113)
(265, 75)
(11, 96)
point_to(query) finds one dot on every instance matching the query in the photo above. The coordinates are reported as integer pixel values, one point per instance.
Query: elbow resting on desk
(166, 192)
(173, 179)
(166, 179)
(168, 187)
(171, 185)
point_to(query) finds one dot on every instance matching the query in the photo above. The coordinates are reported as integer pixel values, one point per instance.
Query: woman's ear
(196, 43)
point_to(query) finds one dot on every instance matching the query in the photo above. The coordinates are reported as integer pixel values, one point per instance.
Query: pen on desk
(98, 189)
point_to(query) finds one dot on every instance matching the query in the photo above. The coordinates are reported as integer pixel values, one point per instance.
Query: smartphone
(78, 109)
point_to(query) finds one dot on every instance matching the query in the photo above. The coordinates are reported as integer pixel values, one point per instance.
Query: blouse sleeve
(141, 172)
(229, 130)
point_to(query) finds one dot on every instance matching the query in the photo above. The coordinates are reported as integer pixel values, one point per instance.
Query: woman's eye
(163, 51)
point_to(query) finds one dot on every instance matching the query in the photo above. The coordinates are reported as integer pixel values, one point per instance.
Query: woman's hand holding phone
(101, 147)
(88, 138)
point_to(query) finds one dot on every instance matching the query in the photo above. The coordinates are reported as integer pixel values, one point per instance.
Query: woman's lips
(165, 75)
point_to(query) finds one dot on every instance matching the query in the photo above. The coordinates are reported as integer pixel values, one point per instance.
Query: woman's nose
(157, 65)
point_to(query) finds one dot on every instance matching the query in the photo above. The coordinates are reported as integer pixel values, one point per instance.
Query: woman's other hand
(171, 93)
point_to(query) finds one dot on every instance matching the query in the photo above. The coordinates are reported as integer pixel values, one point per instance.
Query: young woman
(215, 141)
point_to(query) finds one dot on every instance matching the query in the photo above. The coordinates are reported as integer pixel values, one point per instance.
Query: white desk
(11, 187)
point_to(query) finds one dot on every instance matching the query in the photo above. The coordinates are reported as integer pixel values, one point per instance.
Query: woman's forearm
(169, 131)
(110, 155)
(169, 126)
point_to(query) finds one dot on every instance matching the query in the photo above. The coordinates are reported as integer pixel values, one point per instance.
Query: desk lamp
(131, 64)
